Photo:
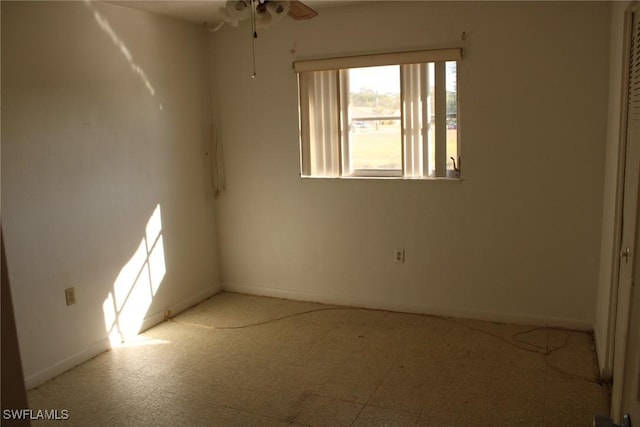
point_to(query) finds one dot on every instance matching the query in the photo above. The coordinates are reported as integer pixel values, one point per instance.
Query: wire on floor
(514, 340)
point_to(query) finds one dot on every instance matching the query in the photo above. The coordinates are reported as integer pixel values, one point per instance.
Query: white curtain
(414, 118)
(320, 123)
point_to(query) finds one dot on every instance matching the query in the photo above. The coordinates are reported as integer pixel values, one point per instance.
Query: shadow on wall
(136, 285)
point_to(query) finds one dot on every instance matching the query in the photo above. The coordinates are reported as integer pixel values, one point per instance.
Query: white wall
(105, 121)
(517, 239)
(604, 323)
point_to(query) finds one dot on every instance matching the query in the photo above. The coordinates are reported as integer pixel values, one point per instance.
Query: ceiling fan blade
(300, 11)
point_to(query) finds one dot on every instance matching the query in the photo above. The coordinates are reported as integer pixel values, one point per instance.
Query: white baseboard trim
(364, 302)
(104, 344)
(64, 365)
(157, 318)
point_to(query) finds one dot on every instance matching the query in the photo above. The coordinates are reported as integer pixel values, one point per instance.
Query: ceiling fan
(263, 13)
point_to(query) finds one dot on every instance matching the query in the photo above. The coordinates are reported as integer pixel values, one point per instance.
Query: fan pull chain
(253, 39)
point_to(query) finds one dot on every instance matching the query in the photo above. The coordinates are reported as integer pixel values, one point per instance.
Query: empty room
(320, 213)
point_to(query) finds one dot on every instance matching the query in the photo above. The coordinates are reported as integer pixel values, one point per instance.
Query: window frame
(346, 169)
(340, 165)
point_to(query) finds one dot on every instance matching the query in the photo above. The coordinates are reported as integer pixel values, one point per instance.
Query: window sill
(383, 178)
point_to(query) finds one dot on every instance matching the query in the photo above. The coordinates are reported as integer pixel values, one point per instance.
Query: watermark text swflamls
(35, 414)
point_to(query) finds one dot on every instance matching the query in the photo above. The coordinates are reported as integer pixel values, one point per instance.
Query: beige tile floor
(227, 362)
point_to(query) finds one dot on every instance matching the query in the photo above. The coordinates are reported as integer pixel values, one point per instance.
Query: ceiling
(201, 11)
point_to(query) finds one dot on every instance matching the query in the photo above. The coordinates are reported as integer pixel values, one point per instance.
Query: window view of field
(381, 149)
(375, 136)
(374, 133)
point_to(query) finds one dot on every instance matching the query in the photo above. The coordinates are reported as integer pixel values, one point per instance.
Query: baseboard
(64, 365)
(364, 302)
(159, 317)
(104, 344)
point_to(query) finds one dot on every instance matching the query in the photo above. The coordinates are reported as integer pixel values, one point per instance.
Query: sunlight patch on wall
(136, 285)
(104, 24)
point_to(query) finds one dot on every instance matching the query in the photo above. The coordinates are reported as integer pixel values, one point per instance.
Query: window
(389, 115)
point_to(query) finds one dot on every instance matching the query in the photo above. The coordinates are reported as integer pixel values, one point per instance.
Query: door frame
(614, 277)
(619, 297)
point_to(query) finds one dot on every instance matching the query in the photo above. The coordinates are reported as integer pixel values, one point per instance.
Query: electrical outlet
(398, 256)
(70, 296)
